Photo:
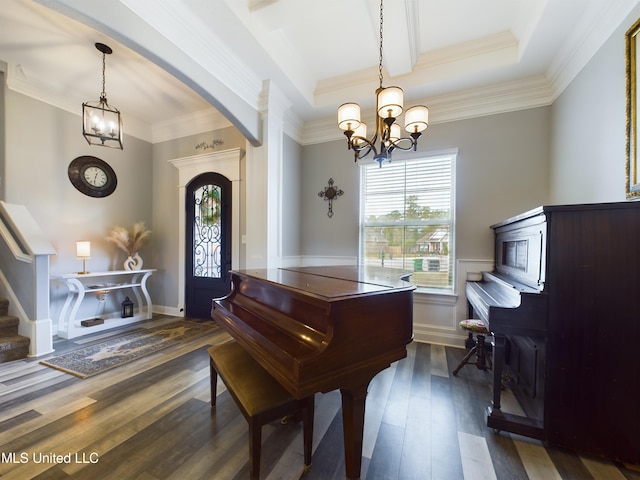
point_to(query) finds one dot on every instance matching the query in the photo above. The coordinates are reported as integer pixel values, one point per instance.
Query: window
(407, 214)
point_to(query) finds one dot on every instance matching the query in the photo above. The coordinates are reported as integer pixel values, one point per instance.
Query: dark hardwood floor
(151, 419)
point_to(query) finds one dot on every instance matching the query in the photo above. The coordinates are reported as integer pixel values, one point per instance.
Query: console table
(79, 284)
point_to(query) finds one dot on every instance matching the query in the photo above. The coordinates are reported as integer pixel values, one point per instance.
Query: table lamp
(83, 252)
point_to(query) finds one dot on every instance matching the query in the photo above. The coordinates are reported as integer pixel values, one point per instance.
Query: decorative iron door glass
(207, 231)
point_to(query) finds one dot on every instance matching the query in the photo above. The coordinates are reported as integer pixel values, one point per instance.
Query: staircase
(12, 345)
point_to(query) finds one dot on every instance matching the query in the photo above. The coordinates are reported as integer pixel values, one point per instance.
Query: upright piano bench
(260, 398)
(478, 347)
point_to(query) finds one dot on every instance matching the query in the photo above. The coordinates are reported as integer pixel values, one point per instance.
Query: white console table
(79, 284)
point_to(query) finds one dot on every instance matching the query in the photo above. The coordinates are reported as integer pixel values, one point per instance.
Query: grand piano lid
(334, 282)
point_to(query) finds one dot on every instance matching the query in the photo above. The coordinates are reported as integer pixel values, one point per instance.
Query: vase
(133, 262)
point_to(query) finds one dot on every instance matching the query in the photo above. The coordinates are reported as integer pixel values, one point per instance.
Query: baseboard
(448, 339)
(165, 310)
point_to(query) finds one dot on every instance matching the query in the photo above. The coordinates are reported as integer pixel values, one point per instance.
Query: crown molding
(595, 29)
(444, 65)
(190, 124)
(477, 102)
(530, 92)
(18, 82)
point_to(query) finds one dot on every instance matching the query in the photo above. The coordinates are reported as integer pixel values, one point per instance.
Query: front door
(208, 242)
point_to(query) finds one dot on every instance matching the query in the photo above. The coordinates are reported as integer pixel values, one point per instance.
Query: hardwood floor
(151, 419)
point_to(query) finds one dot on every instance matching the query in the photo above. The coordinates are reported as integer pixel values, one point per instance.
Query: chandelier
(101, 123)
(389, 107)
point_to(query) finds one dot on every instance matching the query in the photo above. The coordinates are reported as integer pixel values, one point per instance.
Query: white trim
(39, 331)
(227, 163)
(166, 310)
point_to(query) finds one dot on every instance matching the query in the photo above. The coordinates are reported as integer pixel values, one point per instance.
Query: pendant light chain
(381, 30)
(104, 67)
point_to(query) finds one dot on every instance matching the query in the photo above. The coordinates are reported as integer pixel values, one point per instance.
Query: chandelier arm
(358, 144)
(400, 143)
(361, 152)
(362, 147)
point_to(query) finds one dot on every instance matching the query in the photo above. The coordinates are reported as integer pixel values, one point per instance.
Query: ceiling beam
(402, 26)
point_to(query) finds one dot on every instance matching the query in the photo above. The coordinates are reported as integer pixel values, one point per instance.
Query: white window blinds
(407, 218)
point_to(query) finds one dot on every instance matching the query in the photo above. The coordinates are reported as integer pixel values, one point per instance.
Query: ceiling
(461, 58)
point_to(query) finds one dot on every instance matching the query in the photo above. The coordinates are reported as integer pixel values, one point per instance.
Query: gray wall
(166, 254)
(292, 190)
(502, 169)
(588, 154)
(36, 173)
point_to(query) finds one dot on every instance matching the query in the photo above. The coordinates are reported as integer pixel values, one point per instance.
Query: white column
(264, 184)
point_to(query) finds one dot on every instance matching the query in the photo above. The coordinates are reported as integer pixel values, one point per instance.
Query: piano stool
(479, 349)
(260, 398)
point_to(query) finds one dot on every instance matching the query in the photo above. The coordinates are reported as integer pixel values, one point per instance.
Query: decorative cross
(329, 193)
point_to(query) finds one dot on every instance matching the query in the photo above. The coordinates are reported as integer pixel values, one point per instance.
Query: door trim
(227, 163)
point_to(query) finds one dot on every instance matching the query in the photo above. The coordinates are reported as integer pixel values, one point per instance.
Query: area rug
(88, 361)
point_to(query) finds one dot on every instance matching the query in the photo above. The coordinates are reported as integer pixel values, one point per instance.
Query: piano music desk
(259, 397)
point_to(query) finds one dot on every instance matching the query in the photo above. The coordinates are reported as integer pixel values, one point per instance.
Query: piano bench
(260, 398)
(483, 361)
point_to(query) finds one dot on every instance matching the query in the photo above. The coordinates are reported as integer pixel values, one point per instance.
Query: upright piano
(318, 329)
(562, 304)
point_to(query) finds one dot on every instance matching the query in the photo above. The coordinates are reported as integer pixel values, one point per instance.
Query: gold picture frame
(632, 52)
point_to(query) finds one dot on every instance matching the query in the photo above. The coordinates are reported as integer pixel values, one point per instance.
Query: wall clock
(92, 176)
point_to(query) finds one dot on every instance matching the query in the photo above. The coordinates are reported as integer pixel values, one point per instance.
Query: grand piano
(318, 329)
(562, 304)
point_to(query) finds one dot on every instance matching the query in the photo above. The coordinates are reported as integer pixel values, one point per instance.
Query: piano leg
(495, 417)
(353, 404)
(498, 420)
(498, 363)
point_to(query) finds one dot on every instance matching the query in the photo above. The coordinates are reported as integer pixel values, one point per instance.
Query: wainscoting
(151, 419)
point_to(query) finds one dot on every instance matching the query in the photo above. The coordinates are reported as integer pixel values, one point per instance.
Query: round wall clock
(92, 176)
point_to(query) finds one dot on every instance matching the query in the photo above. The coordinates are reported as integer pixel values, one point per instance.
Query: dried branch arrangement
(129, 242)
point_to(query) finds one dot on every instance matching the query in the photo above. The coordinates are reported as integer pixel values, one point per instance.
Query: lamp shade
(360, 132)
(83, 249)
(395, 134)
(416, 119)
(349, 116)
(390, 101)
